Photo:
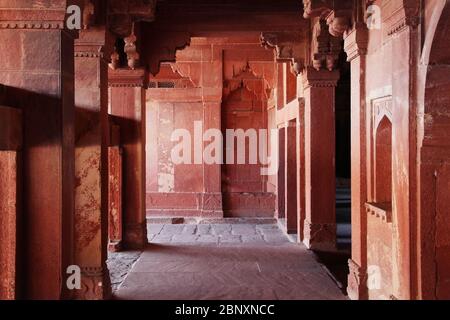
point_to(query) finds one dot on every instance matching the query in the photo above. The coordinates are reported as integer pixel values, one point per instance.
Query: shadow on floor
(337, 265)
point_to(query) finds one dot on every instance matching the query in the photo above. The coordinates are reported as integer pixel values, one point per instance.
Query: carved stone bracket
(122, 14)
(289, 47)
(338, 14)
(356, 41)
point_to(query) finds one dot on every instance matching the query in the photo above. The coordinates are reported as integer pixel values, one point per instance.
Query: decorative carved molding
(212, 202)
(246, 78)
(399, 14)
(319, 79)
(289, 47)
(381, 107)
(127, 78)
(95, 284)
(122, 14)
(95, 42)
(33, 18)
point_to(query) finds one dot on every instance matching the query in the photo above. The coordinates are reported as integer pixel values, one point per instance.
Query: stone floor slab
(222, 267)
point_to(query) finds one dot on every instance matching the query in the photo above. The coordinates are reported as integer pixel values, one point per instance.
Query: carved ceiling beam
(122, 14)
(288, 46)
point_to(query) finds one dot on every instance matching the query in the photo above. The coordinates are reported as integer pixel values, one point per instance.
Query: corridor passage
(225, 261)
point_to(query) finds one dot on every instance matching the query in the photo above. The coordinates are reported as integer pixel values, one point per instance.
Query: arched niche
(383, 163)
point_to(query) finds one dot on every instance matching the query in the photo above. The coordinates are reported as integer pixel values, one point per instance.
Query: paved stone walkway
(216, 234)
(225, 262)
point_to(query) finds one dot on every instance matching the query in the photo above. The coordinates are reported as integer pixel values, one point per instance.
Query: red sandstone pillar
(127, 105)
(320, 176)
(10, 207)
(115, 212)
(91, 163)
(37, 68)
(356, 48)
(301, 205)
(291, 178)
(212, 205)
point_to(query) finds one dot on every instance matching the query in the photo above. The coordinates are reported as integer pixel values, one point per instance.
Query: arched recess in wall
(383, 162)
(434, 158)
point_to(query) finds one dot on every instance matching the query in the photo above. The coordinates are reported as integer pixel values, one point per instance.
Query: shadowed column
(37, 69)
(320, 176)
(127, 105)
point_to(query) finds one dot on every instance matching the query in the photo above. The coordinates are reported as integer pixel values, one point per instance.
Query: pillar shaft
(301, 201)
(91, 159)
(355, 46)
(212, 205)
(127, 105)
(37, 71)
(291, 178)
(320, 176)
(10, 207)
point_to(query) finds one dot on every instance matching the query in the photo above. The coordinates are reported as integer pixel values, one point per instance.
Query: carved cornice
(94, 43)
(319, 79)
(288, 46)
(400, 14)
(19, 18)
(122, 14)
(127, 78)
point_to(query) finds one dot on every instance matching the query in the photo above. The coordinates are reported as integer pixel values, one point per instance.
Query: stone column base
(114, 246)
(319, 236)
(135, 236)
(95, 284)
(357, 282)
